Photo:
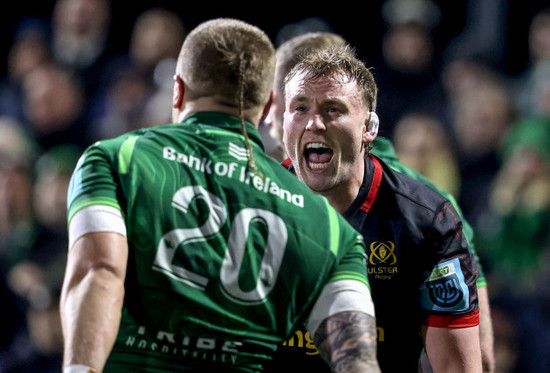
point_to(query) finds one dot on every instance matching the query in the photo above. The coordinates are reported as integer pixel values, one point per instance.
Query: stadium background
(358, 21)
(362, 24)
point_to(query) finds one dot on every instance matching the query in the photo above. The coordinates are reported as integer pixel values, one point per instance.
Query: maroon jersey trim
(453, 321)
(375, 185)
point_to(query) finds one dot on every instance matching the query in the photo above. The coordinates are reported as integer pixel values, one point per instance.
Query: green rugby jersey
(383, 149)
(224, 263)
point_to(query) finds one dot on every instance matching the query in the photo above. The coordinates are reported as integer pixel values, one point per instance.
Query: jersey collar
(370, 187)
(226, 122)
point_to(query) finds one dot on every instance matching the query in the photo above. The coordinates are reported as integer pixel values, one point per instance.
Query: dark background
(359, 22)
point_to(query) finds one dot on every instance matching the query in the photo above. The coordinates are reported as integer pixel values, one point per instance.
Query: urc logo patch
(445, 292)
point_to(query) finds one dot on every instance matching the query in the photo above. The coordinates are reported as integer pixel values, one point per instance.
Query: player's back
(224, 261)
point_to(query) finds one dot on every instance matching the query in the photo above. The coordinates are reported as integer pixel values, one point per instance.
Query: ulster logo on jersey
(382, 260)
(382, 253)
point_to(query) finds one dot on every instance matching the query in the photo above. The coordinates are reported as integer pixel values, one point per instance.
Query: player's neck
(342, 195)
(214, 104)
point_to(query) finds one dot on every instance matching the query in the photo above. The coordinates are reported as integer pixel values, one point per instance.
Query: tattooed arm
(343, 327)
(347, 342)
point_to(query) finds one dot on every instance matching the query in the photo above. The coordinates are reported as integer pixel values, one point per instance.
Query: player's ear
(179, 90)
(267, 106)
(373, 122)
(371, 128)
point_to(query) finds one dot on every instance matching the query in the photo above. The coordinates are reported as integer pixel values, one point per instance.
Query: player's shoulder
(412, 190)
(157, 136)
(115, 142)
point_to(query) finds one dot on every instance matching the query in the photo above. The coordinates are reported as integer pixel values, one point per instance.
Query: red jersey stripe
(453, 321)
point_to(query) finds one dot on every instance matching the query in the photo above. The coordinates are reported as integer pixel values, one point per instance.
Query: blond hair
(229, 55)
(339, 61)
(291, 51)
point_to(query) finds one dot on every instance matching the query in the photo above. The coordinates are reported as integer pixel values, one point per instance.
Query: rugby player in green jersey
(191, 250)
(288, 54)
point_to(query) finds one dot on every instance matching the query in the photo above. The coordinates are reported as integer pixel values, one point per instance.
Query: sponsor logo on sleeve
(445, 288)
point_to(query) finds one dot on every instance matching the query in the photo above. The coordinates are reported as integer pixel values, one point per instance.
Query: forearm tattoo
(347, 341)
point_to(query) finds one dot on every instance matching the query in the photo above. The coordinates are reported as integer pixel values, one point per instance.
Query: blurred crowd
(455, 116)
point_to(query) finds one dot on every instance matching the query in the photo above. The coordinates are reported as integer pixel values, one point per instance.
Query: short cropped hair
(339, 61)
(230, 59)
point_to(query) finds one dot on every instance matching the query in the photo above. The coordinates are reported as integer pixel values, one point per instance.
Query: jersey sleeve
(384, 150)
(348, 288)
(340, 296)
(93, 182)
(469, 234)
(449, 293)
(349, 247)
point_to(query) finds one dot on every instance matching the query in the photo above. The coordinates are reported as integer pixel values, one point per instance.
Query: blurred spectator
(397, 12)
(44, 262)
(30, 48)
(122, 106)
(55, 107)
(518, 235)
(52, 175)
(480, 120)
(422, 143)
(16, 144)
(37, 278)
(158, 108)
(157, 35)
(532, 87)
(17, 153)
(535, 101)
(134, 79)
(80, 39)
(461, 75)
(17, 224)
(409, 68)
(514, 242)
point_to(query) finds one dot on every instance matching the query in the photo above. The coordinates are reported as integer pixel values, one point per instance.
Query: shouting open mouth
(317, 155)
